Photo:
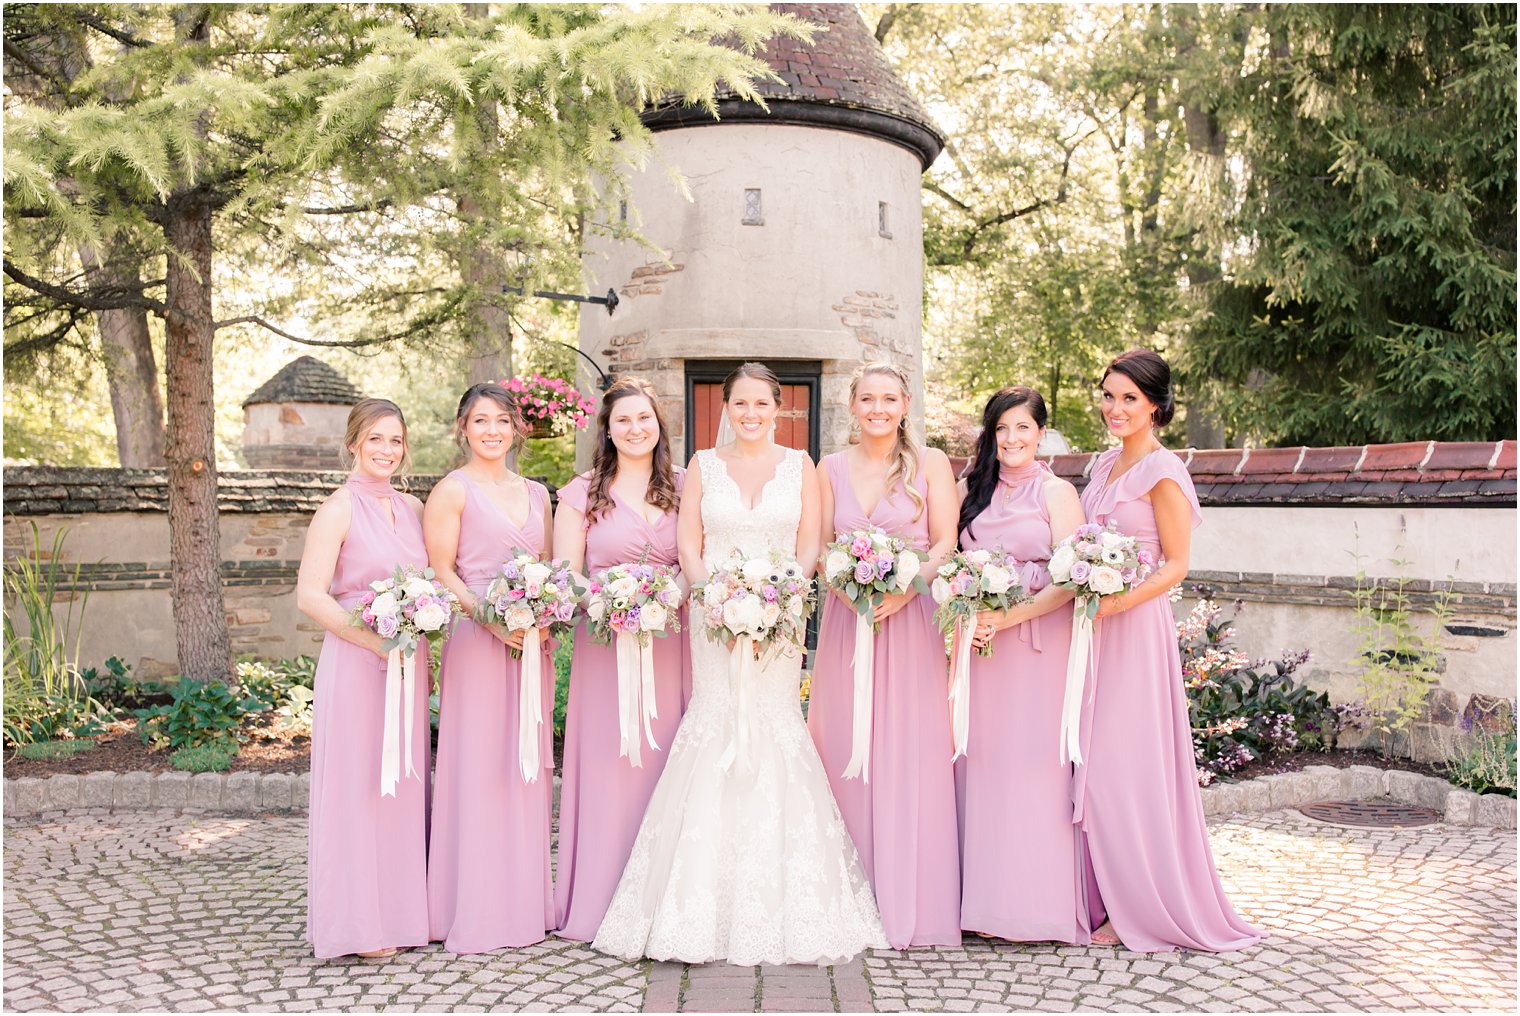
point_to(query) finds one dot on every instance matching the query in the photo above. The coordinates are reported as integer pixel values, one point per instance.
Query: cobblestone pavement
(155, 910)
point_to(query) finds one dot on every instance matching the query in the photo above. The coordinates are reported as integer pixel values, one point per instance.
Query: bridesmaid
(488, 858)
(901, 812)
(1022, 877)
(366, 861)
(621, 512)
(1137, 797)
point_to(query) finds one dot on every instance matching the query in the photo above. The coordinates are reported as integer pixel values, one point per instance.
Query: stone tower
(296, 419)
(801, 244)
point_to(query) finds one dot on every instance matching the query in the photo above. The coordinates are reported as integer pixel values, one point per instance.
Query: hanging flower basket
(551, 406)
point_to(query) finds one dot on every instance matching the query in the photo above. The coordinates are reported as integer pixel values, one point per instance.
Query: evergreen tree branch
(124, 37)
(103, 298)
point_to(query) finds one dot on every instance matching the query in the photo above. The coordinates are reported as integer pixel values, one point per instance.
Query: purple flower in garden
(864, 572)
(1079, 571)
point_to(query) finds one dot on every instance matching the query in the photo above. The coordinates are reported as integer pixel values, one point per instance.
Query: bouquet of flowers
(631, 605)
(865, 566)
(538, 598)
(403, 609)
(550, 405)
(761, 604)
(970, 581)
(1095, 561)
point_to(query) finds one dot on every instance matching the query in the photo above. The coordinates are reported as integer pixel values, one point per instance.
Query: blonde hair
(905, 468)
(365, 414)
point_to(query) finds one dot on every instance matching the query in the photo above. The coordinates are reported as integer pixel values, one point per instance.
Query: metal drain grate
(1377, 814)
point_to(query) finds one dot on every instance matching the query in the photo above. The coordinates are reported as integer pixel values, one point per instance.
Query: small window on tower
(752, 216)
(622, 211)
(883, 220)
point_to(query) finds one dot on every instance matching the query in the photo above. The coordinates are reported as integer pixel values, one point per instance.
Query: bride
(744, 859)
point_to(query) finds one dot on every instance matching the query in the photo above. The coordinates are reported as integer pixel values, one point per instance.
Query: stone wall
(1283, 542)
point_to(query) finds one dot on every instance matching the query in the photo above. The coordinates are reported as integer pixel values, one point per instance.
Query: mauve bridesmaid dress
(488, 856)
(366, 860)
(1023, 876)
(602, 796)
(1137, 796)
(903, 821)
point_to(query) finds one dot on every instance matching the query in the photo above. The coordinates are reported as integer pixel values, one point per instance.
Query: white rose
(536, 572)
(652, 617)
(940, 590)
(519, 618)
(1105, 580)
(979, 557)
(714, 593)
(837, 564)
(770, 615)
(1110, 540)
(597, 609)
(431, 617)
(996, 580)
(623, 586)
(670, 596)
(1061, 562)
(908, 566)
(385, 605)
(796, 605)
(756, 570)
(378, 585)
(418, 586)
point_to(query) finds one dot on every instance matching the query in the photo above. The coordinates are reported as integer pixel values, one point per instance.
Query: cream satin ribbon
(865, 665)
(742, 672)
(1076, 680)
(636, 699)
(530, 704)
(400, 683)
(960, 689)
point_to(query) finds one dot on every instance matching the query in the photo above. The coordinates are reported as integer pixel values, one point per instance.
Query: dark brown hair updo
(604, 460)
(497, 394)
(758, 371)
(1151, 375)
(982, 475)
(365, 414)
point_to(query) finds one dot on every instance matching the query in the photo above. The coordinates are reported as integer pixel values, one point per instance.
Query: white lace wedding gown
(743, 860)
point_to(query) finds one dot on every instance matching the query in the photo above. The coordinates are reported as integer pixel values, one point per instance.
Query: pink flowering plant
(865, 566)
(767, 599)
(530, 593)
(975, 580)
(637, 599)
(551, 401)
(1097, 561)
(407, 607)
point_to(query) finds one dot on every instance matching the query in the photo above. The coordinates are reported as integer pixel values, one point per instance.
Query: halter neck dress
(1137, 797)
(902, 821)
(603, 796)
(366, 859)
(488, 860)
(1024, 877)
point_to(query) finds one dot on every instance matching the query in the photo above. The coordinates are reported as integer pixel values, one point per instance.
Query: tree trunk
(131, 373)
(200, 620)
(489, 357)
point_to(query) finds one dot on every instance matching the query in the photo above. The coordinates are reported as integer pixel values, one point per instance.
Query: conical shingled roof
(841, 80)
(306, 379)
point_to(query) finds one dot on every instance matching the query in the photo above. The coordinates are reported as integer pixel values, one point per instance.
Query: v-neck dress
(903, 821)
(366, 859)
(1023, 873)
(1137, 796)
(602, 796)
(489, 881)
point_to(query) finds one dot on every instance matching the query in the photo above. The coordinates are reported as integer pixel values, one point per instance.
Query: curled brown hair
(365, 414)
(905, 459)
(757, 371)
(497, 394)
(604, 460)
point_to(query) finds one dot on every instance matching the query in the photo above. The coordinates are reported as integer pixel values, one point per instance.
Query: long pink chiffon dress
(602, 796)
(903, 820)
(489, 884)
(1136, 797)
(366, 860)
(1023, 876)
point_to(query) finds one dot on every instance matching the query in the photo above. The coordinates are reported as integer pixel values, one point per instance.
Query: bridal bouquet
(1095, 561)
(971, 581)
(630, 605)
(865, 566)
(403, 609)
(761, 605)
(537, 598)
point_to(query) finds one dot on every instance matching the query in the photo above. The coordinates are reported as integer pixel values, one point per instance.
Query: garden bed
(270, 748)
(1339, 758)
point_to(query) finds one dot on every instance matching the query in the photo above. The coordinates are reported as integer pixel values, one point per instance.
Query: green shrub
(49, 750)
(283, 686)
(211, 757)
(197, 714)
(117, 690)
(44, 694)
(1485, 759)
(562, 683)
(1398, 663)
